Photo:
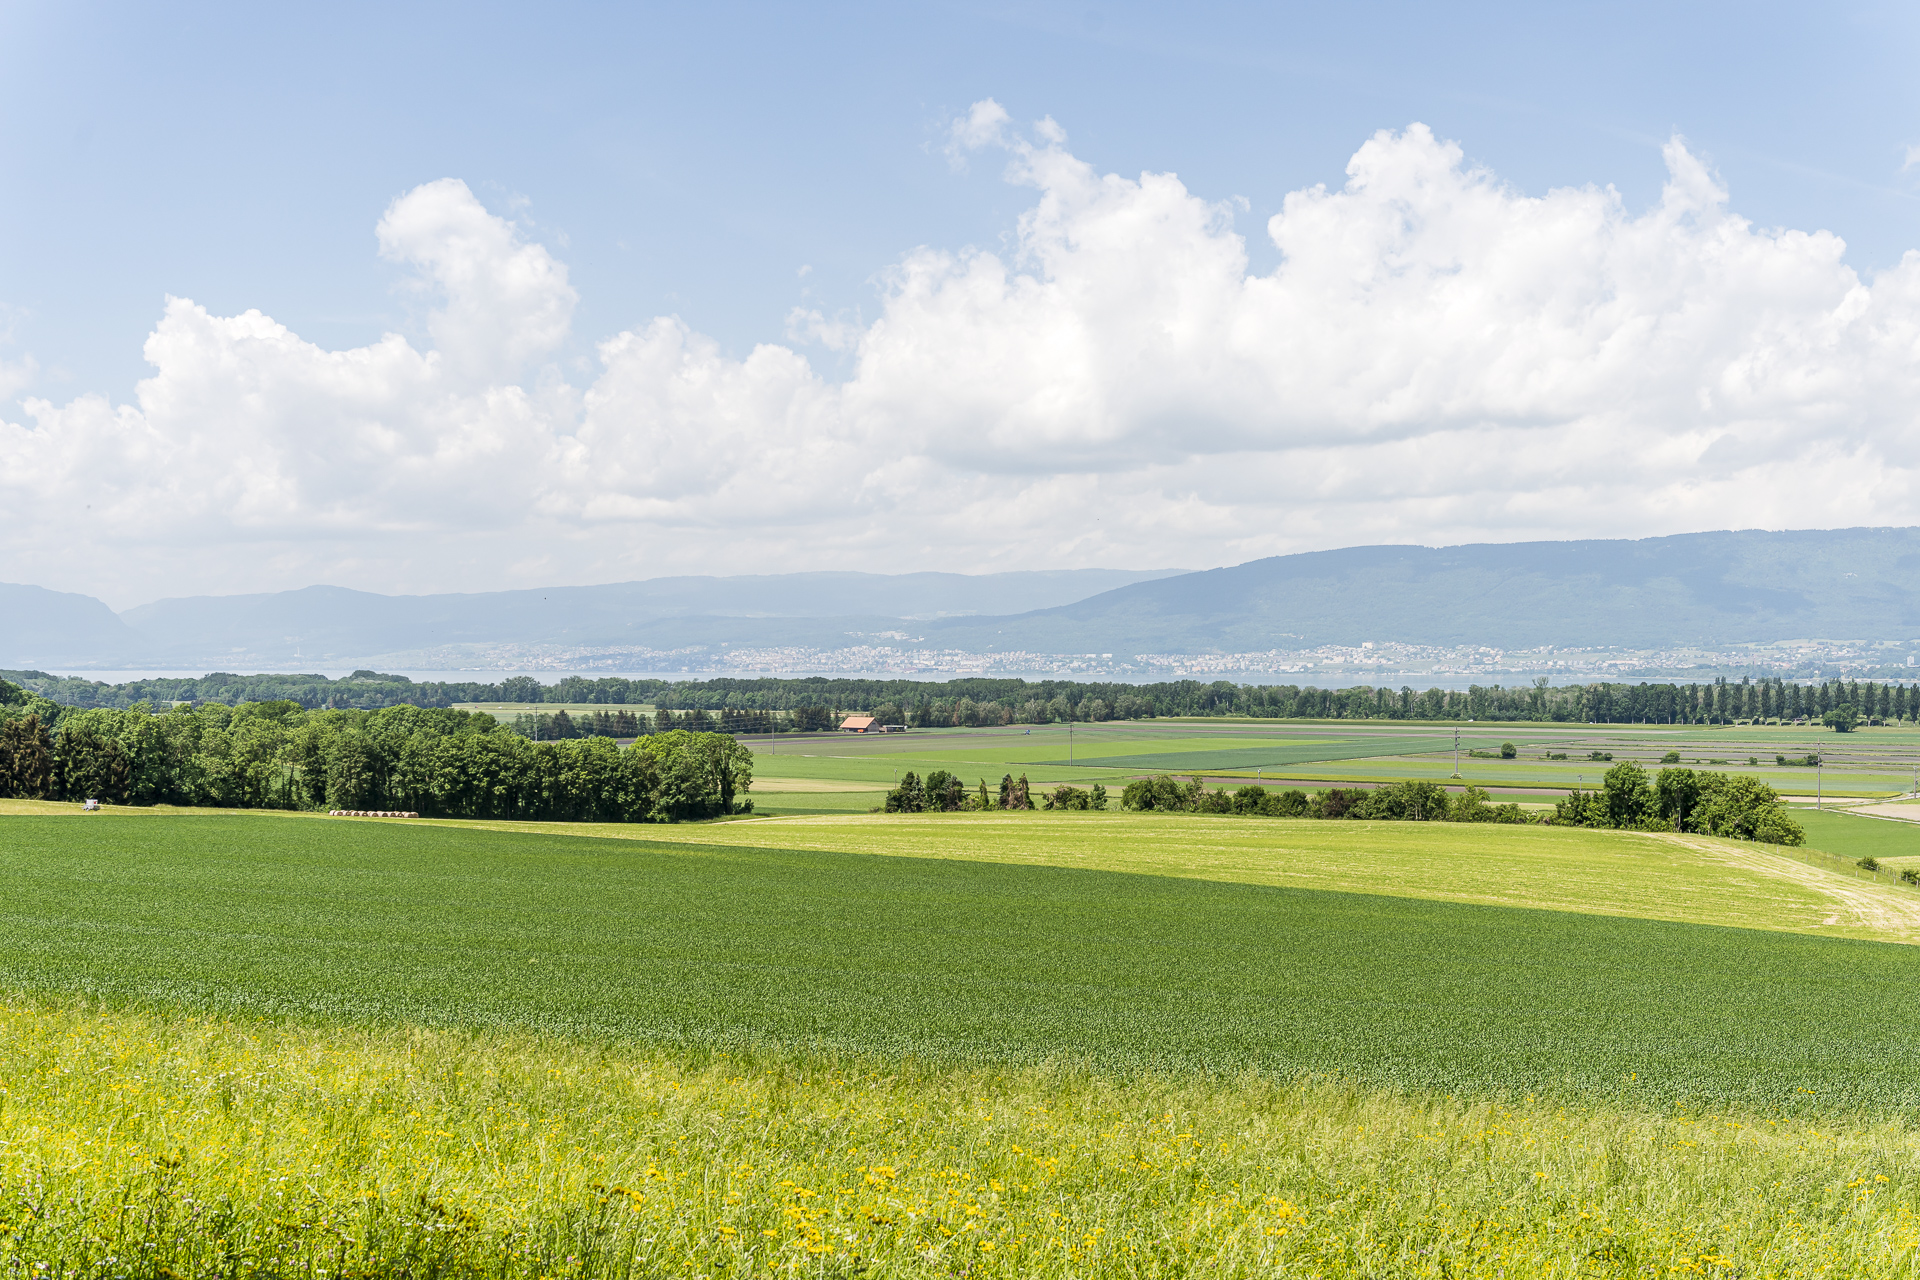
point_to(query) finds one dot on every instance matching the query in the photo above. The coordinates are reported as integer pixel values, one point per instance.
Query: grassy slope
(715, 946)
(1560, 869)
(1607, 873)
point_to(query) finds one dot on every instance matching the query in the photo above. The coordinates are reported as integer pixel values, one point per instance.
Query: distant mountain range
(329, 626)
(1697, 589)
(1705, 589)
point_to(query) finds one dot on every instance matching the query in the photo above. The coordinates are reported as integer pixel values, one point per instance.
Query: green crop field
(1852, 836)
(742, 945)
(1000, 1044)
(1202, 755)
(1869, 763)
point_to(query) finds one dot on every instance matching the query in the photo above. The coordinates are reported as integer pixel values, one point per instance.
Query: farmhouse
(868, 724)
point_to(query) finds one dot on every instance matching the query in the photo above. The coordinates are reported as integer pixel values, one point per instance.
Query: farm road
(1898, 812)
(1859, 909)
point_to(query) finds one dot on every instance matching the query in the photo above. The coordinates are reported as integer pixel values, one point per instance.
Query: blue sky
(729, 164)
(695, 157)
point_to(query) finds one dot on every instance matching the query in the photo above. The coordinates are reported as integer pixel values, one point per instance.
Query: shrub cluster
(1702, 802)
(943, 792)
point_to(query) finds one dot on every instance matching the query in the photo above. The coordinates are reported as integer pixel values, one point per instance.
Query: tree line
(434, 761)
(1406, 801)
(1687, 800)
(561, 725)
(819, 703)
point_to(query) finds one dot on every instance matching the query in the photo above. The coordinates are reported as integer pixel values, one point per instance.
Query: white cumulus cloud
(506, 302)
(1436, 358)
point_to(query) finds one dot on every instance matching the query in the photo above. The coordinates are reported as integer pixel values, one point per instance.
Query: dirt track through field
(1859, 907)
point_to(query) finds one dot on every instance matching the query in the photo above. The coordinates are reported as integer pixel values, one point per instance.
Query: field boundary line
(1894, 916)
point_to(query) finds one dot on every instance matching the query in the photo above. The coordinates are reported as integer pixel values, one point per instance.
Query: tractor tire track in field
(1882, 911)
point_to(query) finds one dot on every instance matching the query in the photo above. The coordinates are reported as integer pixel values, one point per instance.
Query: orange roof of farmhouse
(857, 723)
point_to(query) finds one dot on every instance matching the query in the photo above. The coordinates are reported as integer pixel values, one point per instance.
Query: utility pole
(1456, 751)
(1819, 786)
(1069, 743)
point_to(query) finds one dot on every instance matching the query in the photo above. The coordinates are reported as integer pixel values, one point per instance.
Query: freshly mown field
(269, 1044)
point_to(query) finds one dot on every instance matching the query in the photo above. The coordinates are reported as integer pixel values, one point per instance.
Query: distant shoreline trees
(815, 704)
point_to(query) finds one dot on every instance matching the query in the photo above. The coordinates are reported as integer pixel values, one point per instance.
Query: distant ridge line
(1716, 589)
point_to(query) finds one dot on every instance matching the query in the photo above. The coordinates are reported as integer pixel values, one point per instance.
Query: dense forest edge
(435, 761)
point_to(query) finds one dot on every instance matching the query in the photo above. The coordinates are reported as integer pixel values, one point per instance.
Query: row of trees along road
(437, 762)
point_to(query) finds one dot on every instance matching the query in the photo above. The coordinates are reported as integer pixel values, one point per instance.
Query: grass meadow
(1039, 1044)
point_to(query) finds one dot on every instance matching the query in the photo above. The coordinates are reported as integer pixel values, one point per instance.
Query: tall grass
(146, 1144)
